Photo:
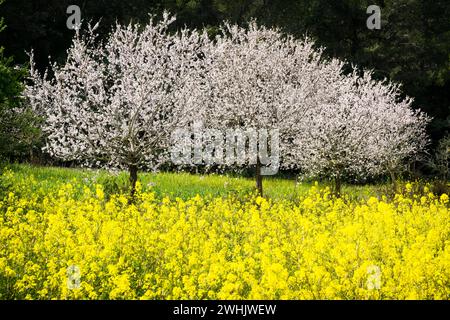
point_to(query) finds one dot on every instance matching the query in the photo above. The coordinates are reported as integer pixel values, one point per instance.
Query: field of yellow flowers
(75, 242)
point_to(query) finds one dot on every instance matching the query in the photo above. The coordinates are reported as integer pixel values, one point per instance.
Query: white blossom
(115, 103)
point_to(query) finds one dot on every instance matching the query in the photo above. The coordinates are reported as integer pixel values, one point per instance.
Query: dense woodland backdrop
(412, 47)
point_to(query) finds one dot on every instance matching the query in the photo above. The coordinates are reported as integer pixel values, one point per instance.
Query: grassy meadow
(182, 184)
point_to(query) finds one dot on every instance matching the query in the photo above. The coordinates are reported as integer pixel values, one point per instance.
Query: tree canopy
(116, 103)
(412, 47)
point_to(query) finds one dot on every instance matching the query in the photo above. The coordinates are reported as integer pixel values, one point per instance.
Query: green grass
(183, 185)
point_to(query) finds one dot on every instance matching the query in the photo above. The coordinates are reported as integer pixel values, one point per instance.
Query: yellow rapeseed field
(75, 243)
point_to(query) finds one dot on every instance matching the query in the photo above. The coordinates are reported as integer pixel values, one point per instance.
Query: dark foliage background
(412, 47)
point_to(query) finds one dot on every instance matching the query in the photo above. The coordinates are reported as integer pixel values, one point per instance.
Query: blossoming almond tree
(330, 123)
(363, 131)
(115, 104)
(259, 79)
(399, 134)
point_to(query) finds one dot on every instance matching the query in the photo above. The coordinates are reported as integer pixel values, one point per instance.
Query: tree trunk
(337, 186)
(393, 180)
(259, 185)
(133, 169)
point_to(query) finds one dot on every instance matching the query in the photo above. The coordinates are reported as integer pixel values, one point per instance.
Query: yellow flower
(372, 201)
(423, 200)
(99, 192)
(408, 187)
(311, 247)
(259, 200)
(444, 198)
